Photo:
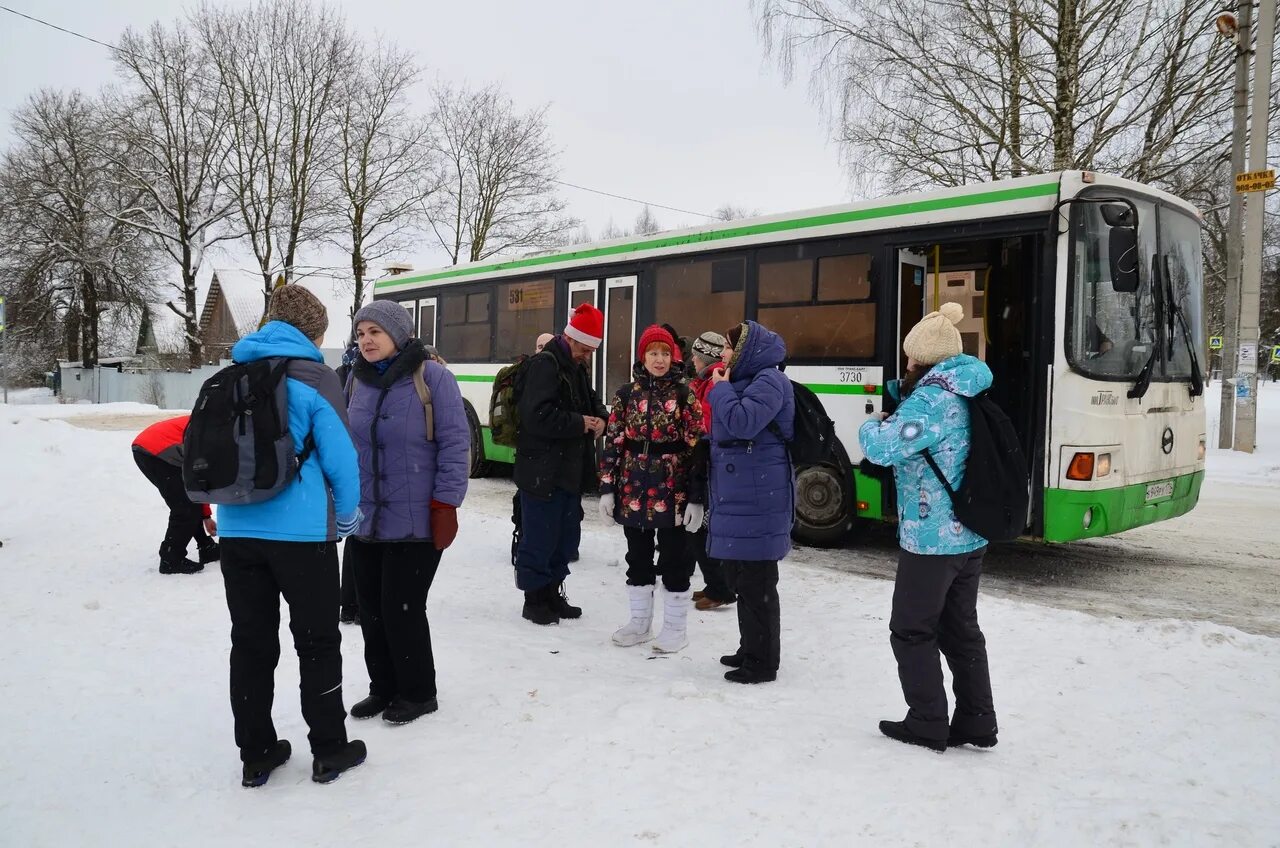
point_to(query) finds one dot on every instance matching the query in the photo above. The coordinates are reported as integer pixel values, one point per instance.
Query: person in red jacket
(158, 452)
(708, 349)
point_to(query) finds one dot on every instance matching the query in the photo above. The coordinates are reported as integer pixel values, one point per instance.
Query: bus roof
(1024, 195)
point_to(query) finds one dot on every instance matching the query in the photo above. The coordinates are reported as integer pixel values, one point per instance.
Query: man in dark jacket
(560, 418)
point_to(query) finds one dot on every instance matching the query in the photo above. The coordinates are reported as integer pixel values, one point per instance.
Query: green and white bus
(1082, 292)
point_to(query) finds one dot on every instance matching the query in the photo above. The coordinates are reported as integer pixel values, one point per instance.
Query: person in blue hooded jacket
(752, 490)
(288, 546)
(935, 594)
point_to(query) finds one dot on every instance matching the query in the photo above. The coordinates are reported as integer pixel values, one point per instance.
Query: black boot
(732, 660)
(537, 607)
(560, 602)
(749, 674)
(209, 553)
(183, 566)
(348, 615)
(256, 772)
(401, 711)
(899, 730)
(369, 707)
(328, 769)
(955, 740)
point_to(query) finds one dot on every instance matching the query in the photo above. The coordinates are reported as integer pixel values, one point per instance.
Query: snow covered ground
(118, 732)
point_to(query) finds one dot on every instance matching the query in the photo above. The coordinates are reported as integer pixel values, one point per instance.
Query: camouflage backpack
(504, 416)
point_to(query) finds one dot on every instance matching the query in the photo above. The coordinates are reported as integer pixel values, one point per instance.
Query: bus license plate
(1156, 491)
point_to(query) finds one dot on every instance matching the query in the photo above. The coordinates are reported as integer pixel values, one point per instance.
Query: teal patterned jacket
(934, 416)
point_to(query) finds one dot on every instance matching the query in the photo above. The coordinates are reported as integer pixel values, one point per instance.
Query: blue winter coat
(934, 416)
(401, 472)
(328, 484)
(752, 489)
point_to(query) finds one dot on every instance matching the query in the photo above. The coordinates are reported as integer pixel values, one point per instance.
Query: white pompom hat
(936, 338)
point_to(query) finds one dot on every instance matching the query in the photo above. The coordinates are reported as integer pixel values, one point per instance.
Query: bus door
(912, 272)
(619, 334)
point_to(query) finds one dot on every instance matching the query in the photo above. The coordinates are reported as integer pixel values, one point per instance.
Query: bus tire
(480, 467)
(824, 505)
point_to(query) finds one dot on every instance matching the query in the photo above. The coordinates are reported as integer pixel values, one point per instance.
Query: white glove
(606, 508)
(693, 517)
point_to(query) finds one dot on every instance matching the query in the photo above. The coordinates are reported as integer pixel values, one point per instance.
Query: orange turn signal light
(869, 388)
(863, 506)
(1081, 467)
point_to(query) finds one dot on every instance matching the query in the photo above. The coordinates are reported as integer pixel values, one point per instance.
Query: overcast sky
(670, 101)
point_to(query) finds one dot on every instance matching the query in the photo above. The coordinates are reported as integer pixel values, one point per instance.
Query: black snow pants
(675, 559)
(717, 588)
(256, 573)
(186, 519)
(348, 602)
(935, 608)
(759, 616)
(392, 582)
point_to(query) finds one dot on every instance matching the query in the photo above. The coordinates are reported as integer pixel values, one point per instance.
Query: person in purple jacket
(752, 490)
(413, 476)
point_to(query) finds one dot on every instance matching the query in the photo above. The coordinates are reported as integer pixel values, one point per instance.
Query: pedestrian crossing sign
(1215, 343)
(1275, 354)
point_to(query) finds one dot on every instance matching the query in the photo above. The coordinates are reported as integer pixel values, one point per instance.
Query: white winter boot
(640, 627)
(675, 618)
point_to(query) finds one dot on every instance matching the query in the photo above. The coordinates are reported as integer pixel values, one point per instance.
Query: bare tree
(384, 169)
(730, 212)
(947, 92)
(646, 222)
(498, 171)
(73, 207)
(280, 66)
(175, 121)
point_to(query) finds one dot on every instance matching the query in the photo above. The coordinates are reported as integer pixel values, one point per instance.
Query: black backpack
(814, 440)
(237, 448)
(994, 499)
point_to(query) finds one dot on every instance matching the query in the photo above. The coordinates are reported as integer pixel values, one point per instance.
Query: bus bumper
(1070, 514)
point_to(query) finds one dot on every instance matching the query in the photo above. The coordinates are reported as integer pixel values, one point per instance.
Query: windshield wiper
(1143, 382)
(1175, 311)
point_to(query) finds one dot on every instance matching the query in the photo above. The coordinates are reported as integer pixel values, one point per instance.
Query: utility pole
(1251, 270)
(1235, 232)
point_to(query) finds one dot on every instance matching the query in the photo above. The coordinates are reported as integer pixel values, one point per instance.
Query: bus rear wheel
(824, 506)
(480, 467)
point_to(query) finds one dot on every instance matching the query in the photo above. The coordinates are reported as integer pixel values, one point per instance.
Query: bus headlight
(1103, 466)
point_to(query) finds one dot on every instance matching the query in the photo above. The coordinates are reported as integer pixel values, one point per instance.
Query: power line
(385, 134)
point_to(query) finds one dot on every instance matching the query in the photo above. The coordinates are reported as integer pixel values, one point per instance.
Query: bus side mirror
(1123, 253)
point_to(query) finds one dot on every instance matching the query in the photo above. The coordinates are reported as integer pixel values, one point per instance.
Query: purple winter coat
(400, 471)
(752, 491)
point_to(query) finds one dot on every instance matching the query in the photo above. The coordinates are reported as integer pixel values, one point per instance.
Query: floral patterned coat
(654, 424)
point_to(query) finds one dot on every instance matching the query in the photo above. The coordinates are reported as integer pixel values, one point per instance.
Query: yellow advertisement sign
(1256, 180)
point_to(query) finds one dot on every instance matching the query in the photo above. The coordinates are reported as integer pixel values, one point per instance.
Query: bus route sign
(1256, 180)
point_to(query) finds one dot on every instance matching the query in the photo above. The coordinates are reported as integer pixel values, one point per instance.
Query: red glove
(444, 524)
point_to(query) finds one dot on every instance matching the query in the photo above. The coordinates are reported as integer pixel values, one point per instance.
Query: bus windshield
(1112, 334)
(1180, 249)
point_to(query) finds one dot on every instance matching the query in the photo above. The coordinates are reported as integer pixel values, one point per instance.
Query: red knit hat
(586, 326)
(657, 335)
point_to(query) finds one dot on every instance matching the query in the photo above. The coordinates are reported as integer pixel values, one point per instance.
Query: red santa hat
(654, 334)
(586, 326)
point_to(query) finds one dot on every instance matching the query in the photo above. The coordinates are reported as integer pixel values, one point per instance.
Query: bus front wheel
(479, 465)
(824, 505)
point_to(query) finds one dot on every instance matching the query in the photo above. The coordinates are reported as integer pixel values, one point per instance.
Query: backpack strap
(928, 457)
(424, 395)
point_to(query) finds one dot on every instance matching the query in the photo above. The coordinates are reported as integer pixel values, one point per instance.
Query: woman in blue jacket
(752, 490)
(410, 429)
(935, 595)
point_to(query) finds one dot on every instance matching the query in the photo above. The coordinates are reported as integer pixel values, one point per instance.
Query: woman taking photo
(410, 429)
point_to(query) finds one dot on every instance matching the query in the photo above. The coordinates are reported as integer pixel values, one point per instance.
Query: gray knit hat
(391, 317)
(709, 345)
(294, 305)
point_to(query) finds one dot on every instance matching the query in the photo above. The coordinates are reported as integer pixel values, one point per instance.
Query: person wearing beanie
(708, 353)
(752, 490)
(654, 425)
(412, 436)
(935, 594)
(288, 546)
(560, 418)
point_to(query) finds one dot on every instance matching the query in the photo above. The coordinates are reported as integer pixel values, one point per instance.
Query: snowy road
(1219, 563)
